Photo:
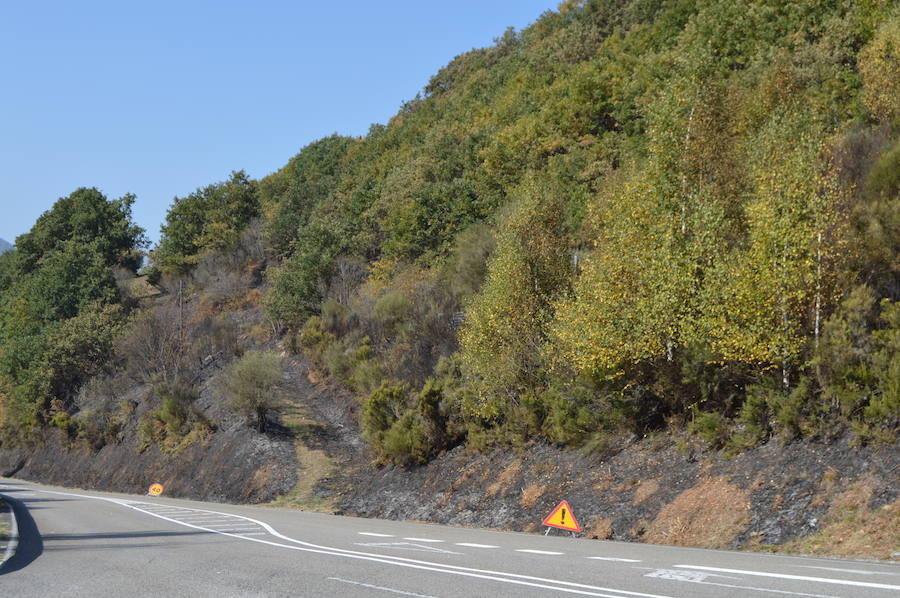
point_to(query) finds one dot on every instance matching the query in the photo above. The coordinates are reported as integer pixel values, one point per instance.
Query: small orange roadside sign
(155, 490)
(562, 517)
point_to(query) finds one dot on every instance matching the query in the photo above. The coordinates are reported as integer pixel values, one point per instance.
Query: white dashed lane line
(491, 546)
(614, 559)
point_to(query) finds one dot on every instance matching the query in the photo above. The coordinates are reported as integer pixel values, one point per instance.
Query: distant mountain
(5, 246)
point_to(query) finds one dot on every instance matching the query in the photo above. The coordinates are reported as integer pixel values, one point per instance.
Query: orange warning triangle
(562, 517)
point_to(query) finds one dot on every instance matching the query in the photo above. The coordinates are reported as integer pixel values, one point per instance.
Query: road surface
(86, 543)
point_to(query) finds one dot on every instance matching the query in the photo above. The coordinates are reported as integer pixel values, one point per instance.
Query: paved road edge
(13, 533)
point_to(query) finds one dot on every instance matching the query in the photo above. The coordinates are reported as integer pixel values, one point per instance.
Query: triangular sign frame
(562, 517)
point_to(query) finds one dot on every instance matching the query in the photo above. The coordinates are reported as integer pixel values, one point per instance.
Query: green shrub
(380, 410)
(366, 376)
(150, 431)
(175, 411)
(883, 180)
(314, 338)
(753, 420)
(881, 417)
(711, 426)
(251, 385)
(64, 422)
(567, 422)
(406, 442)
(467, 267)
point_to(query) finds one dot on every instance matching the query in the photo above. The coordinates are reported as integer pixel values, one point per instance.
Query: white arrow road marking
(569, 587)
(842, 582)
(678, 575)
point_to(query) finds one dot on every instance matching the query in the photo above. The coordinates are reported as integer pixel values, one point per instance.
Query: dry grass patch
(603, 483)
(855, 533)
(505, 479)
(644, 490)
(600, 528)
(709, 515)
(853, 530)
(530, 495)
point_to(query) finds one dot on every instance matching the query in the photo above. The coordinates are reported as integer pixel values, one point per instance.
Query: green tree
(209, 219)
(507, 323)
(83, 217)
(879, 63)
(763, 293)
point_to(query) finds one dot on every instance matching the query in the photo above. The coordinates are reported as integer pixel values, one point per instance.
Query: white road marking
(473, 545)
(697, 577)
(203, 519)
(422, 540)
(842, 582)
(406, 546)
(375, 535)
(371, 587)
(569, 587)
(679, 575)
(857, 571)
(529, 551)
(610, 558)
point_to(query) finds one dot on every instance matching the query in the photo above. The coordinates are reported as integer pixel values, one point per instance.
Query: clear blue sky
(159, 98)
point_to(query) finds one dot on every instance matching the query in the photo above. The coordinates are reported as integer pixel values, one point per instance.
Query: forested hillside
(630, 215)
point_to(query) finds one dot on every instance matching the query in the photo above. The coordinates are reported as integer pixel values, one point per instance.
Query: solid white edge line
(856, 571)
(498, 576)
(842, 582)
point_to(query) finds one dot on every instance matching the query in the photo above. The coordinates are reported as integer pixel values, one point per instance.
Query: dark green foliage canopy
(209, 219)
(59, 310)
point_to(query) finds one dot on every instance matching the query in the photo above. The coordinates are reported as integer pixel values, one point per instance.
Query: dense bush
(251, 385)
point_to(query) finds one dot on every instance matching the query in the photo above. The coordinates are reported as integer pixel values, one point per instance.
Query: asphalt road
(85, 543)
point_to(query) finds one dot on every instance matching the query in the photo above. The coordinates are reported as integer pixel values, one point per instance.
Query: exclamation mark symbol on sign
(562, 519)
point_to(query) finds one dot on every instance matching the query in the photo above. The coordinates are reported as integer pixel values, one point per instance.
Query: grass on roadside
(313, 464)
(855, 532)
